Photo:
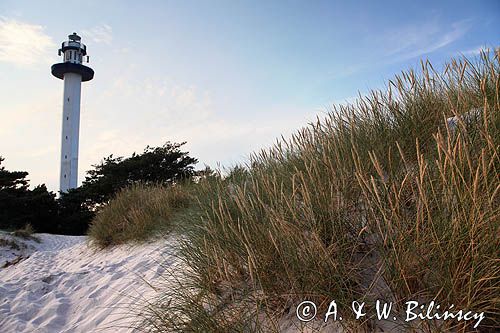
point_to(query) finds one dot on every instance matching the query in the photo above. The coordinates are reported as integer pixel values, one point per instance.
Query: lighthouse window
(65, 156)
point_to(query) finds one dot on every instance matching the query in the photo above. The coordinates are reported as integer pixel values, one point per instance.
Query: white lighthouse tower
(73, 73)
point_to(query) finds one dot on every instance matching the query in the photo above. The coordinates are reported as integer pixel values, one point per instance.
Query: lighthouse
(73, 73)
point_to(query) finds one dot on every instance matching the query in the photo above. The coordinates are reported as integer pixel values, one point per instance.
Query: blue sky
(228, 77)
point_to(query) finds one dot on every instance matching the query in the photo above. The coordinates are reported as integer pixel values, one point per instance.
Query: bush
(136, 213)
(381, 200)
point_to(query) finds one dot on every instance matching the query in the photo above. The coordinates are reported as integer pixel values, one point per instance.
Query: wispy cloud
(417, 40)
(473, 52)
(24, 44)
(406, 42)
(153, 110)
(100, 34)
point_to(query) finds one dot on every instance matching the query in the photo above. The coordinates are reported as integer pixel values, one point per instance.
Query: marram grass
(137, 213)
(382, 199)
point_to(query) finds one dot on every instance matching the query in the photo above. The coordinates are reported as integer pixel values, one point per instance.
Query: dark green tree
(20, 206)
(75, 212)
(166, 164)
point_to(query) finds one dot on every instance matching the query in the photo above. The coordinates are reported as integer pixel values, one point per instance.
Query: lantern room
(73, 50)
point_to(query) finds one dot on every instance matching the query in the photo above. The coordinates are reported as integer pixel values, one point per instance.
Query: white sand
(9, 254)
(66, 286)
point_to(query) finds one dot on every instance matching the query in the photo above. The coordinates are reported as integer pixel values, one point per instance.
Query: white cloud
(407, 42)
(24, 44)
(128, 108)
(473, 52)
(415, 40)
(99, 34)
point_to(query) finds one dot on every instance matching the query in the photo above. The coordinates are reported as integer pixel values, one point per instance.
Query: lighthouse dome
(73, 49)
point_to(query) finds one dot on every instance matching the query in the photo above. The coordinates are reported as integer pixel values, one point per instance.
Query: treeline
(73, 211)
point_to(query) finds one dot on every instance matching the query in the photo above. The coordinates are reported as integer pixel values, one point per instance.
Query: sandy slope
(66, 286)
(9, 255)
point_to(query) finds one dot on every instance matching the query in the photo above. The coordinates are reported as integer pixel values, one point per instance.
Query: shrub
(137, 212)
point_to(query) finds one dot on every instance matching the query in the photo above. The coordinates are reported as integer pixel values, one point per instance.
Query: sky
(227, 77)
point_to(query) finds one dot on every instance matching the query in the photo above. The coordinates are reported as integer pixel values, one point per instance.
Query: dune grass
(382, 199)
(137, 213)
(27, 232)
(10, 243)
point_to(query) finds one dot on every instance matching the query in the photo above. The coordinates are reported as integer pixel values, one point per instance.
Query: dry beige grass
(379, 194)
(136, 213)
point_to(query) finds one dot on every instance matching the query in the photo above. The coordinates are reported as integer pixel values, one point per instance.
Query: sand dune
(66, 286)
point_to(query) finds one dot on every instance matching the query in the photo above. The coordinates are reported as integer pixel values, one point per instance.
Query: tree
(20, 206)
(75, 213)
(166, 165)
(12, 180)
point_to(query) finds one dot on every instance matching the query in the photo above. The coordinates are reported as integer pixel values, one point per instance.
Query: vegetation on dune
(165, 165)
(137, 213)
(382, 199)
(26, 233)
(9, 243)
(72, 212)
(386, 198)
